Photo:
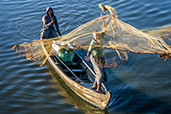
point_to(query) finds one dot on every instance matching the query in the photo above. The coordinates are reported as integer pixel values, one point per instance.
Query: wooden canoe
(72, 73)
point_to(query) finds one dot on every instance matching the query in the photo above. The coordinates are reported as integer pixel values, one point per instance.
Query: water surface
(141, 85)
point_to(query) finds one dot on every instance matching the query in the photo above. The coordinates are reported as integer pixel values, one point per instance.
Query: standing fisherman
(95, 54)
(48, 20)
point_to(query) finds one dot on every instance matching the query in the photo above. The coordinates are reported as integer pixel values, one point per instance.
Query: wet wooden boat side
(94, 98)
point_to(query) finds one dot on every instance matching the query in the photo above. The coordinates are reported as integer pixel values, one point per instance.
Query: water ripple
(141, 85)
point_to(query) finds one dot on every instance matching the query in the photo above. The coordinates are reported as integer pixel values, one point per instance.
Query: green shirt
(97, 51)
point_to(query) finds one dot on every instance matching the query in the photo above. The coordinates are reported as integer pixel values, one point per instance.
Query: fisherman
(95, 54)
(48, 20)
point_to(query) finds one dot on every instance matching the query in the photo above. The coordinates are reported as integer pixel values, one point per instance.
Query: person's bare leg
(98, 87)
(94, 85)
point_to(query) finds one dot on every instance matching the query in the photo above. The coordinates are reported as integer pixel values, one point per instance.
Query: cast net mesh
(120, 38)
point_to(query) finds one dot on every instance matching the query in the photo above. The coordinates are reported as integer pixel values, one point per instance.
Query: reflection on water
(70, 97)
(125, 97)
(152, 81)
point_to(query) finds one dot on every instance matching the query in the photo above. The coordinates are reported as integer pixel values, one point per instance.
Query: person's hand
(87, 58)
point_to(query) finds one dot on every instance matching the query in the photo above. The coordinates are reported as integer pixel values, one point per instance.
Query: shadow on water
(126, 99)
(70, 97)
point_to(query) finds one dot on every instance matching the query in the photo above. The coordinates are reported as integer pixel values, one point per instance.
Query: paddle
(51, 17)
(54, 23)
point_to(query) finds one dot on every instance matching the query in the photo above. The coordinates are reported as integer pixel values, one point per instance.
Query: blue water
(141, 85)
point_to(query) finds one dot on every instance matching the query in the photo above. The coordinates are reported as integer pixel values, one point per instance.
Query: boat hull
(97, 99)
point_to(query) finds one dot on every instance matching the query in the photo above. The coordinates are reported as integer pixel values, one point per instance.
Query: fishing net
(120, 38)
(162, 31)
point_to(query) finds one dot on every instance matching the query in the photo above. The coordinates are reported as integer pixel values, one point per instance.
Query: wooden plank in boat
(74, 70)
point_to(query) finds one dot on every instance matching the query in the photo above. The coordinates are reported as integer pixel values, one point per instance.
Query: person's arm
(104, 25)
(90, 49)
(88, 56)
(45, 22)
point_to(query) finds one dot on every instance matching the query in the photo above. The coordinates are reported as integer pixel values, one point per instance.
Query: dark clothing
(48, 33)
(46, 22)
(48, 30)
